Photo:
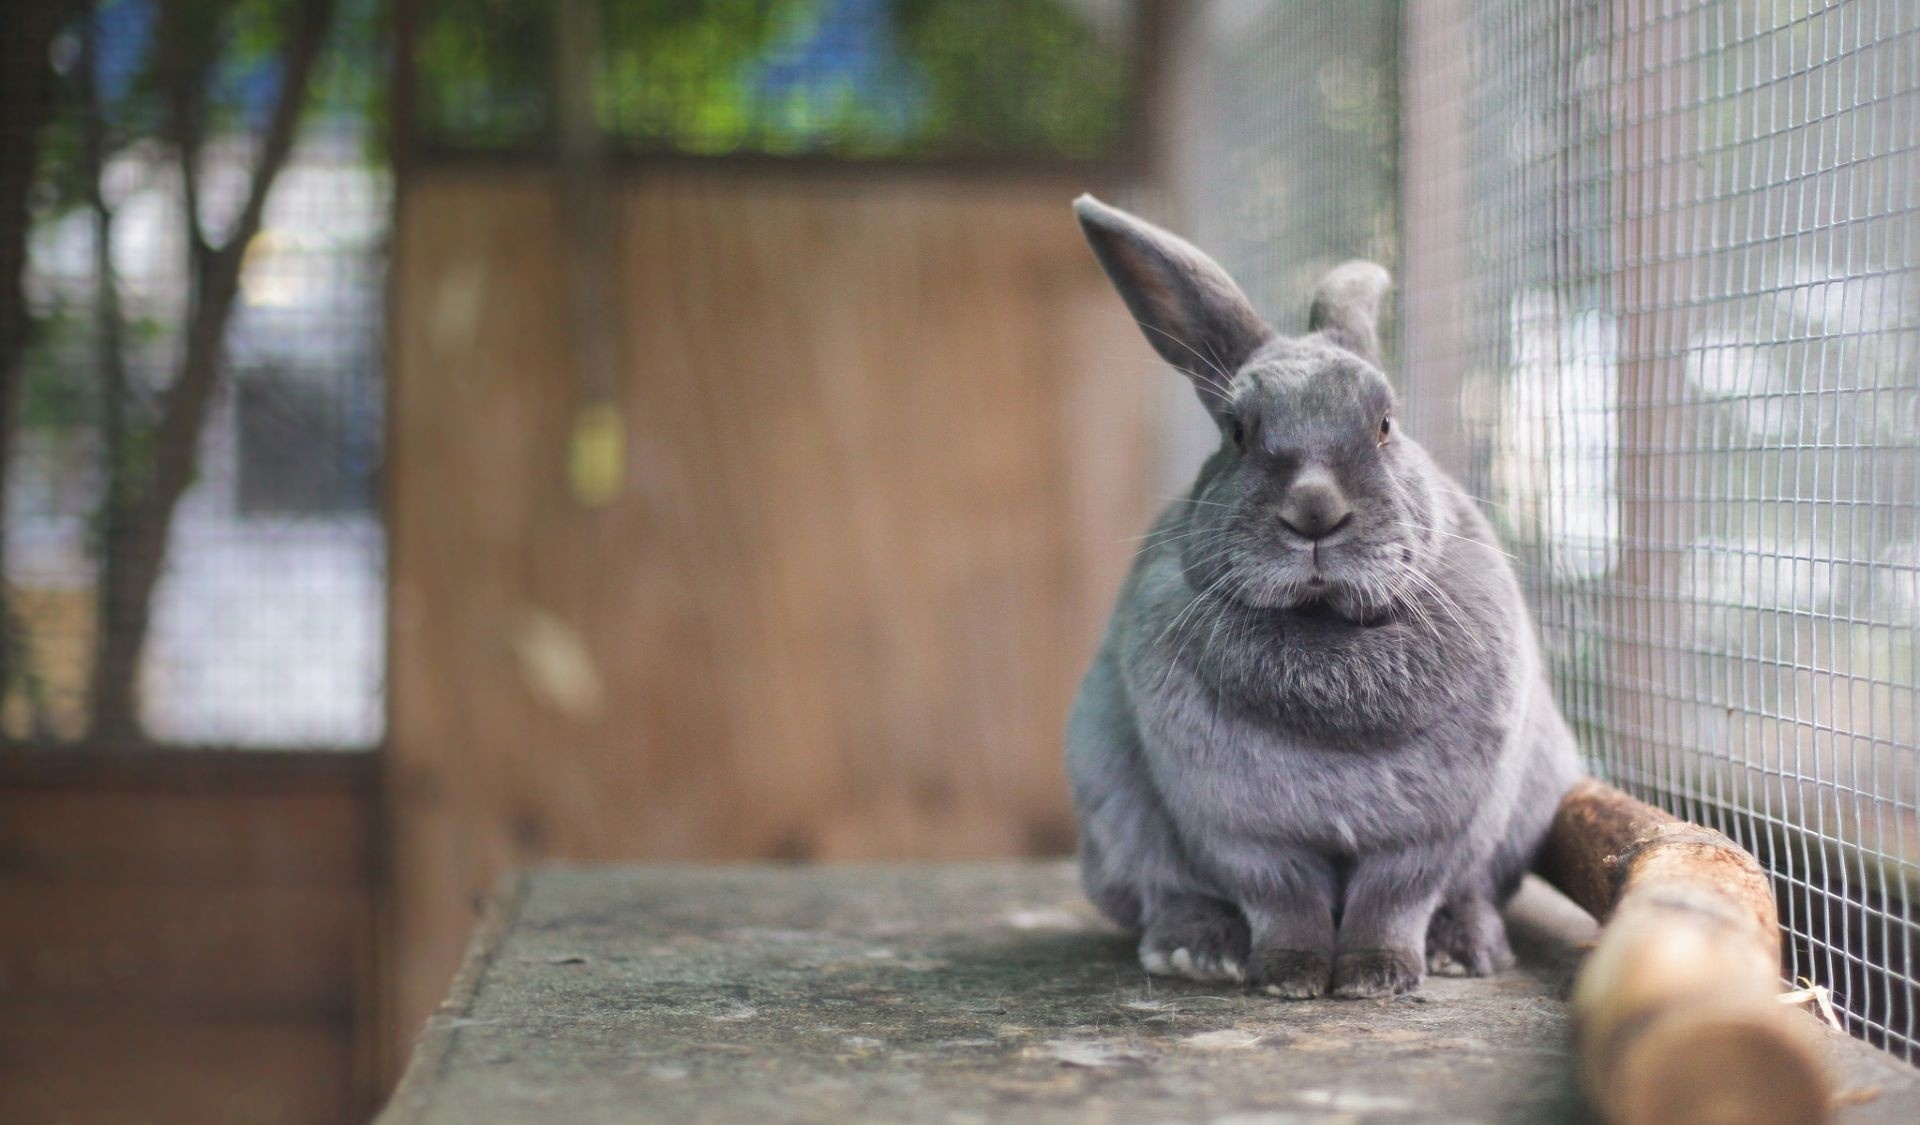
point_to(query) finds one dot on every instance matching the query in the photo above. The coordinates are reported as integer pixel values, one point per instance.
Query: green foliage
(482, 71)
(56, 391)
(680, 70)
(60, 384)
(1014, 75)
(351, 81)
(891, 78)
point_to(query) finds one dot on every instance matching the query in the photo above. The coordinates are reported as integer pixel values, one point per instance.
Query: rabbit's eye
(1238, 432)
(1386, 427)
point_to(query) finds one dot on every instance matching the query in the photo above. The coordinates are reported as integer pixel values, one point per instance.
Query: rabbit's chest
(1224, 778)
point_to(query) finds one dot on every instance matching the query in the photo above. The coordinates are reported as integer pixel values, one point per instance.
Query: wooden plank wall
(888, 439)
(186, 938)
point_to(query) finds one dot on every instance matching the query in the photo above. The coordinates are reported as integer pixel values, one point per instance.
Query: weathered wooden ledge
(976, 993)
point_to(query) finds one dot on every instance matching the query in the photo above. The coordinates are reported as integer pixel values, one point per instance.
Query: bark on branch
(1676, 1011)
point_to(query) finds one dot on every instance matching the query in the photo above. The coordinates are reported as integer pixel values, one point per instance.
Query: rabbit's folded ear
(1346, 307)
(1192, 312)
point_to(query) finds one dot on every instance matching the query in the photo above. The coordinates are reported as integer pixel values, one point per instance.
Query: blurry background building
(441, 435)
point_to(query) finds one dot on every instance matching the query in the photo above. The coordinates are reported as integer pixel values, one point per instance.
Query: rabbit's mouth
(1318, 598)
(1331, 608)
(1320, 609)
(1321, 591)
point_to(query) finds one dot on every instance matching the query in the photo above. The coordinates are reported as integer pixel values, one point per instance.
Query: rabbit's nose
(1314, 507)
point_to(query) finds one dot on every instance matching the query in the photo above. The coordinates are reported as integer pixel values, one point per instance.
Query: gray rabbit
(1316, 750)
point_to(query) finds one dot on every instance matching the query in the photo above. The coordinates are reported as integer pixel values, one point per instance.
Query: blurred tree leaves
(481, 70)
(1018, 75)
(224, 54)
(849, 78)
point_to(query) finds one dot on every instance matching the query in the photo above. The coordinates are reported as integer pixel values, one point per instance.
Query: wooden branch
(1676, 1011)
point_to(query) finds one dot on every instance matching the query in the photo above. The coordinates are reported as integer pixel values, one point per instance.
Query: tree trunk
(137, 557)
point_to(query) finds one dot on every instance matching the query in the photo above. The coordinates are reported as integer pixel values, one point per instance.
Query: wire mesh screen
(1283, 137)
(1661, 311)
(193, 393)
(1289, 141)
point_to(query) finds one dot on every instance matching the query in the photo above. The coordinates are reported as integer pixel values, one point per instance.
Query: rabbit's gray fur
(1318, 764)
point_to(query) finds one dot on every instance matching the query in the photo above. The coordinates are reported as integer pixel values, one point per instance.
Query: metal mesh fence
(1283, 136)
(1661, 311)
(192, 551)
(1287, 132)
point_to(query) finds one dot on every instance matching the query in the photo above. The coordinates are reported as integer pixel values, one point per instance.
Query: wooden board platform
(974, 993)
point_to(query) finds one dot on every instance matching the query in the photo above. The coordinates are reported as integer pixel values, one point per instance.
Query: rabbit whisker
(1217, 364)
(1180, 646)
(1191, 500)
(1220, 618)
(1219, 581)
(1227, 604)
(1206, 387)
(1420, 613)
(1145, 547)
(1465, 495)
(1158, 365)
(1372, 591)
(1225, 377)
(1165, 537)
(1451, 535)
(1413, 605)
(1447, 606)
(1210, 557)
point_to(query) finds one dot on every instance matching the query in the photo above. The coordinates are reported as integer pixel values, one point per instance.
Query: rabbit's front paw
(1364, 973)
(1198, 938)
(1467, 941)
(1294, 974)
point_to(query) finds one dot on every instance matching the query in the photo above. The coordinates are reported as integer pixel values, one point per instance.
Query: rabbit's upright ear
(1346, 307)
(1192, 312)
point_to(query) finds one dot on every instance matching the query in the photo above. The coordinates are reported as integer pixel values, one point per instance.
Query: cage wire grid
(1660, 314)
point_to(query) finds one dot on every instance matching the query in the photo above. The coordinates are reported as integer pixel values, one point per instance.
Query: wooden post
(1676, 1012)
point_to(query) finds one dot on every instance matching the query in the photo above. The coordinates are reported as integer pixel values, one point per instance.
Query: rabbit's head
(1314, 500)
